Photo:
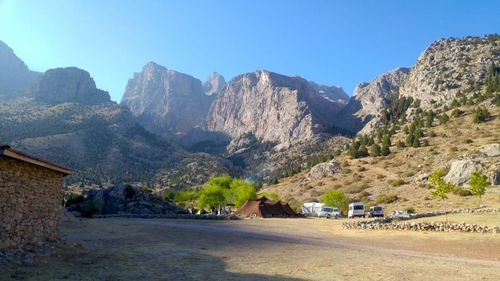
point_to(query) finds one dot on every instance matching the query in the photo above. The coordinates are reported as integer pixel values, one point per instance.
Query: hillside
(374, 180)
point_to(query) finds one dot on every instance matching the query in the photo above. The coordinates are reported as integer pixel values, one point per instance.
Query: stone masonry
(30, 203)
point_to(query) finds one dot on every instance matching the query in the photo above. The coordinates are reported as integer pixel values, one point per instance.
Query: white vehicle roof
(356, 203)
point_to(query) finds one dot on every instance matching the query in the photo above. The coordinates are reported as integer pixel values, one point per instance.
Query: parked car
(328, 212)
(375, 211)
(356, 209)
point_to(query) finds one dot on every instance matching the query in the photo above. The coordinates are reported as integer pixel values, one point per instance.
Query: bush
(481, 115)
(129, 192)
(386, 199)
(92, 207)
(396, 182)
(468, 141)
(432, 134)
(461, 191)
(409, 210)
(456, 113)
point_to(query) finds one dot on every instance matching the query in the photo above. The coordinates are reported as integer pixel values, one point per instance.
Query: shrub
(425, 143)
(481, 115)
(461, 191)
(432, 134)
(129, 192)
(92, 207)
(409, 210)
(456, 113)
(396, 182)
(453, 149)
(386, 199)
(468, 141)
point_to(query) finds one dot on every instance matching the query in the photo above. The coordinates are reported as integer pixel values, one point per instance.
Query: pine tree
(375, 150)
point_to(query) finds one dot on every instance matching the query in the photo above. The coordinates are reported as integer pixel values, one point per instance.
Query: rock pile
(122, 199)
(420, 226)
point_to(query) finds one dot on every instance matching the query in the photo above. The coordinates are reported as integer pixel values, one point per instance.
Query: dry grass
(406, 164)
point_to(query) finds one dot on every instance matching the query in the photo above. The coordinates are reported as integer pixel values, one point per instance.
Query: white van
(356, 209)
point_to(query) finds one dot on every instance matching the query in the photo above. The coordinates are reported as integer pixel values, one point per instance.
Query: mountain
(68, 84)
(214, 84)
(274, 108)
(66, 119)
(15, 76)
(331, 93)
(449, 66)
(364, 109)
(167, 102)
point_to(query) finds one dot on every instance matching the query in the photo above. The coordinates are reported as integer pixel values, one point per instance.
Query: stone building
(30, 198)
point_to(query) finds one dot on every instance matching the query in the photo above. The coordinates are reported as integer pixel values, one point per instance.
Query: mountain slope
(364, 109)
(15, 76)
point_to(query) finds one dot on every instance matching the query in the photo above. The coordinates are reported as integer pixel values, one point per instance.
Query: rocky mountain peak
(165, 101)
(214, 84)
(448, 66)
(272, 107)
(69, 84)
(369, 99)
(14, 74)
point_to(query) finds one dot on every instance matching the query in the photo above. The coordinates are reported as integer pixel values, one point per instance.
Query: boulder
(461, 170)
(491, 150)
(323, 170)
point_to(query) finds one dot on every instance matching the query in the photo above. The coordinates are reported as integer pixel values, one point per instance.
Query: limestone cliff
(273, 107)
(164, 101)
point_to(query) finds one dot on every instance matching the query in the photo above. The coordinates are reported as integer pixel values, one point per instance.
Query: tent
(265, 208)
(312, 208)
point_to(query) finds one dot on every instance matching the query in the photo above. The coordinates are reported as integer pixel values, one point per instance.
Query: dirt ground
(262, 249)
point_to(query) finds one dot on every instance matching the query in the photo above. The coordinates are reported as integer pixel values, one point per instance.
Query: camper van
(356, 209)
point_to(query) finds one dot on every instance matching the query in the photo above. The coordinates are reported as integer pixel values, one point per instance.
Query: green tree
(478, 183)
(211, 196)
(481, 115)
(385, 149)
(239, 192)
(439, 187)
(375, 150)
(335, 198)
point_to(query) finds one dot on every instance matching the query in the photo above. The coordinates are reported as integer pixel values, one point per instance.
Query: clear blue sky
(330, 42)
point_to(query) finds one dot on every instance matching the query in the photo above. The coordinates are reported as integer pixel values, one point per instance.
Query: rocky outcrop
(15, 76)
(461, 170)
(214, 84)
(323, 170)
(122, 199)
(273, 107)
(166, 102)
(421, 226)
(448, 66)
(491, 150)
(68, 84)
(365, 108)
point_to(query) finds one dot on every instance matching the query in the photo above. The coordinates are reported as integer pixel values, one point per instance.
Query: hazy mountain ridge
(15, 76)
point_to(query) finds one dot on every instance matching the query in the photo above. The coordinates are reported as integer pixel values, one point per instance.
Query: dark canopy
(265, 208)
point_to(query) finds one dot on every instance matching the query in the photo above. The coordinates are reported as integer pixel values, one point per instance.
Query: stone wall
(30, 203)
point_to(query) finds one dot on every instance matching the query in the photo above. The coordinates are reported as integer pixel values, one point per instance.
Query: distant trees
(439, 187)
(481, 114)
(478, 183)
(335, 198)
(217, 192)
